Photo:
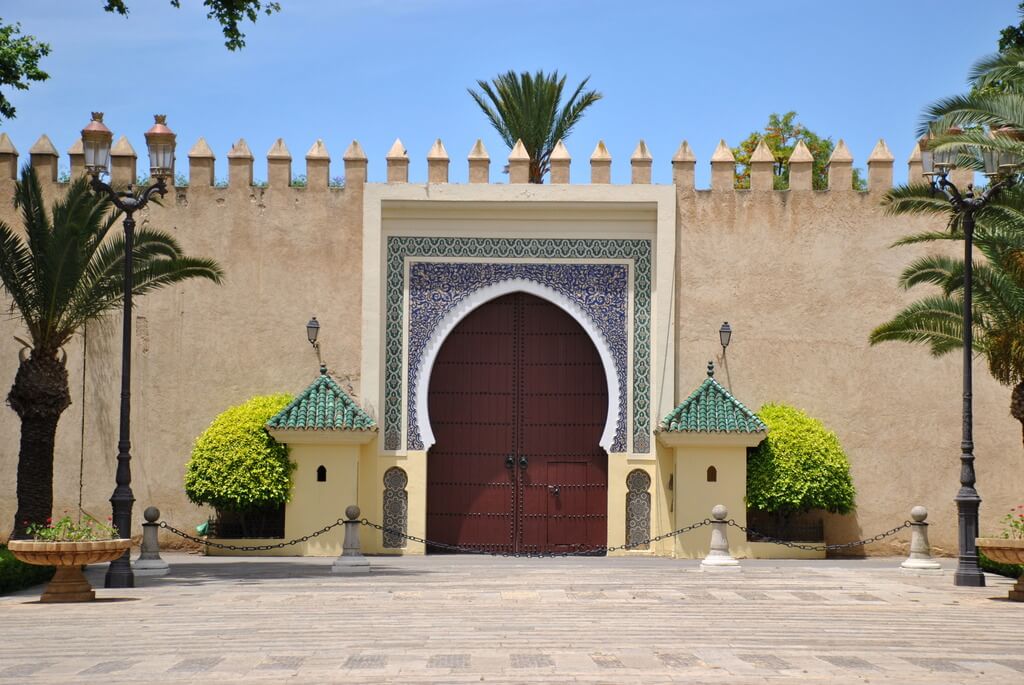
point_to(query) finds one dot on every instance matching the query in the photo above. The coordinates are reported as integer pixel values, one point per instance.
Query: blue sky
(375, 70)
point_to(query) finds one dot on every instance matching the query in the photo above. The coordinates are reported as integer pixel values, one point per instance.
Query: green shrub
(1008, 570)
(236, 465)
(800, 466)
(16, 575)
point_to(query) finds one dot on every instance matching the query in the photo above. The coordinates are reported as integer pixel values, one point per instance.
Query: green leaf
(800, 466)
(236, 465)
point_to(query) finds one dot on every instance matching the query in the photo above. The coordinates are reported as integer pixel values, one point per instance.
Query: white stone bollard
(719, 559)
(149, 562)
(920, 559)
(351, 560)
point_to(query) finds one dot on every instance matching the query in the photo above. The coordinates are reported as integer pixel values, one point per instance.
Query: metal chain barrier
(250, 548)
(579, 551)
(818, 548)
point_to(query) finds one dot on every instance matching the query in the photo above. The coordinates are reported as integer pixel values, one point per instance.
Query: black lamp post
(96, 139)
(1001, 169)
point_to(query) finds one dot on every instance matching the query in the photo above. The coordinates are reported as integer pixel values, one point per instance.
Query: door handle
(510, 461)
(523, 462)
(554, 490)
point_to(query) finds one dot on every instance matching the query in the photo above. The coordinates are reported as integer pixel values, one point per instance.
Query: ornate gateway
(518, 402)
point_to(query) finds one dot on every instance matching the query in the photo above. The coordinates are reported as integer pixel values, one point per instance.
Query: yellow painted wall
(313, 504)
(695, 496)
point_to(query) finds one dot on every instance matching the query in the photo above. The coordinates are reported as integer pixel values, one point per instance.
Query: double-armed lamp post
(97, 139)
(1001, 168)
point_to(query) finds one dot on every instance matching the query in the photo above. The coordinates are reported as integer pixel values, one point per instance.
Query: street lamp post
(96, 140)
(1001, 168)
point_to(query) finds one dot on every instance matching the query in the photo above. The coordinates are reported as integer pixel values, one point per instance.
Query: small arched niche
(638, 509)
(396, 507)
(321, 474)
(712, 474)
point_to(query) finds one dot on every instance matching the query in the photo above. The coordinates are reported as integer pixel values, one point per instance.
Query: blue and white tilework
(400, 249)
(600, 290)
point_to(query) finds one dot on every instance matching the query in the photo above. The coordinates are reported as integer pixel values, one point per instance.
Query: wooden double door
(518, 401)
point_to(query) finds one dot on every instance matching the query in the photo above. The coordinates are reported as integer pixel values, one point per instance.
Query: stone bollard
(920, 559)
(351, 560)
(719, 559)
(149, 562)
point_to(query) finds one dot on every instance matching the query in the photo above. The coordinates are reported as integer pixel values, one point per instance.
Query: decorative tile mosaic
(396, 507)
(600, 290)
(401, 247)
(638, 508)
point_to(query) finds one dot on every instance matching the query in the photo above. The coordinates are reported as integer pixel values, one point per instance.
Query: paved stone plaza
(470, 619)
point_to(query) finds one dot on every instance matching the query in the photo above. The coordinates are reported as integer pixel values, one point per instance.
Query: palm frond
(16, 272)
(527, 107)
(933, 321)
(1005, 68)
(963, 111)
(916, 199)
(68, 267)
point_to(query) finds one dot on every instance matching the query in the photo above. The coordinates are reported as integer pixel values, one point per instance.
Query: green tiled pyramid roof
(711, 409)
(323, 406)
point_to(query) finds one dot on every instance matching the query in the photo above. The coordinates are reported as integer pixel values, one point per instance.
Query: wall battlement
(44, 157)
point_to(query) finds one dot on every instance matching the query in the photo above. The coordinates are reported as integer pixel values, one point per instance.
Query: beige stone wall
(801, 276)
(288, 254)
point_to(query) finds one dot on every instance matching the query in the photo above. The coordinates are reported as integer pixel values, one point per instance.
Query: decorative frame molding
(429, 332)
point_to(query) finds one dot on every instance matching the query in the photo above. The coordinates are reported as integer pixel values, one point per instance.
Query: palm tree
(998, 287)
(989, 117)
(62, 271)
(528, 108)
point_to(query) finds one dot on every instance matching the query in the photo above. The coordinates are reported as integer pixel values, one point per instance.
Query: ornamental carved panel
(396, 507)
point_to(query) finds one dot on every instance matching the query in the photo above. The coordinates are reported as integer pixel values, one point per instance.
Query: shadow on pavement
(248, 573)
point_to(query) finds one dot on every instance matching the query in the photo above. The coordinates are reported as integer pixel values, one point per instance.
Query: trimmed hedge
(16, 575)
(236, 465)
(800, 466)
(1008, 570)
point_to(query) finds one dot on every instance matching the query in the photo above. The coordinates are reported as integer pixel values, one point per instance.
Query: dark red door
(517, 402)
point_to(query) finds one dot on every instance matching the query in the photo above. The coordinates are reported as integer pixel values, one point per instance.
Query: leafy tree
(997, 286)
(529, 107)
(800, 466)
(62, 269)
(236, 465)
(228, 13)
(20, 54)
(19, 63)
(781, 134)
(1012, 37)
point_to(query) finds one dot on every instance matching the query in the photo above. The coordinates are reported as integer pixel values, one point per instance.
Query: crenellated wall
(801, 275)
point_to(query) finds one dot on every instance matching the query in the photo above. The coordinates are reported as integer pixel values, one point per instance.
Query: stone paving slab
(471, 620)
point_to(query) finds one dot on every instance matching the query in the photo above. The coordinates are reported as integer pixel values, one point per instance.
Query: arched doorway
(518, 401)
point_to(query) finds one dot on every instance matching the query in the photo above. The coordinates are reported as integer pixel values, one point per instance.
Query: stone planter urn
(1005, 551)
(68, 584)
